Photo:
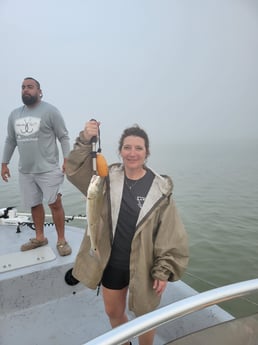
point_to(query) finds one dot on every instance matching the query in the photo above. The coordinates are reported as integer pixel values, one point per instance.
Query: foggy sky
(186, 71)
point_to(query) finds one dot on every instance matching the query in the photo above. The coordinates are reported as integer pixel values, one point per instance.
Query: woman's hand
(159, 286)
(91, 129)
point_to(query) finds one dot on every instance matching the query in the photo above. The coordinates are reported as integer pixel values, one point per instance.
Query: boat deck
(38, 307)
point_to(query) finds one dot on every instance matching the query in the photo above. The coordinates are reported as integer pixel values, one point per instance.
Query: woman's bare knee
(115, 302)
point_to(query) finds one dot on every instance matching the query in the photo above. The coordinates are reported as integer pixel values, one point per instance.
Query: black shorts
(115, 278)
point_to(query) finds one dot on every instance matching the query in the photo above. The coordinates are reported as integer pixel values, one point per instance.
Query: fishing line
(246, 299)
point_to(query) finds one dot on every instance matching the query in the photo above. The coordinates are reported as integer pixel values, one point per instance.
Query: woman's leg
(147, 338)
(115, 305)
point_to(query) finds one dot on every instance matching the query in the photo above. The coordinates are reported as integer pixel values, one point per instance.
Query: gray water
(216, 191)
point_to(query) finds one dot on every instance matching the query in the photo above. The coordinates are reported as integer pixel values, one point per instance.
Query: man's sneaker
(33, 243)
(63, 248)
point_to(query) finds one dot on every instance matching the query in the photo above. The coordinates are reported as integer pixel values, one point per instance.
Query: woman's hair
(135, 131)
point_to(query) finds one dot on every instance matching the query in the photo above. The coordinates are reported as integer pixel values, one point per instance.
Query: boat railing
(154, 319)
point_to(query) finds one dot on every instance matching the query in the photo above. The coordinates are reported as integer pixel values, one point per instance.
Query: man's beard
(29, 100)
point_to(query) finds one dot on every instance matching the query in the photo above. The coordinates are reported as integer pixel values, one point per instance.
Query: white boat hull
(38, 307)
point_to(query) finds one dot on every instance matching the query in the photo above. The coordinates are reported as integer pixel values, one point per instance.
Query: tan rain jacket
(159, 248)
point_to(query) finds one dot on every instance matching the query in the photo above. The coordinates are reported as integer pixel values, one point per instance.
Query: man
(34, 129)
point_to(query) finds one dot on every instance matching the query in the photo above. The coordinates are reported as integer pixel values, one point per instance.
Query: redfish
(94, 203)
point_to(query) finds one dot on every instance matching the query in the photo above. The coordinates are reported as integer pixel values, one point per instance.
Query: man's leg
(32, 195)
(58, 215)
(49, 184)
(38, 217)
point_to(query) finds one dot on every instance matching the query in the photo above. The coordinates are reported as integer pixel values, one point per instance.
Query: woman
(143, 244)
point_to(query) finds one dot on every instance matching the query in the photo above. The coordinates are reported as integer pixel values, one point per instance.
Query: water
(216, 192)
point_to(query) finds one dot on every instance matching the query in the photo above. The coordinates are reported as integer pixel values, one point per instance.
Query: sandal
(63, 248)
(33, 244)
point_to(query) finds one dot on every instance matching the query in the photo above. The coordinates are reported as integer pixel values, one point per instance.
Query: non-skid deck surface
(38, 295)
(12, 261)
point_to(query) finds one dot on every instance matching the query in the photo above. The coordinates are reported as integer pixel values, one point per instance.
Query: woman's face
(133, 152)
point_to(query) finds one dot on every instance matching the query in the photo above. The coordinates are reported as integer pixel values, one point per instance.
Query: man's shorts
(36, 188)
(115, 278)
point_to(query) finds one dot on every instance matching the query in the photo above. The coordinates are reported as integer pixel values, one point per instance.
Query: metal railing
(173, 311)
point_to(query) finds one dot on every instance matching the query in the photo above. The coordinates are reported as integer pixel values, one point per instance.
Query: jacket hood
(164, 182)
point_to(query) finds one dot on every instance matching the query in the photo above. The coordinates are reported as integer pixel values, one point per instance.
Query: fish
(94, 201)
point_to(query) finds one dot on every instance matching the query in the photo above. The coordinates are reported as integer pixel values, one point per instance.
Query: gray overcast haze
(185, 70)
